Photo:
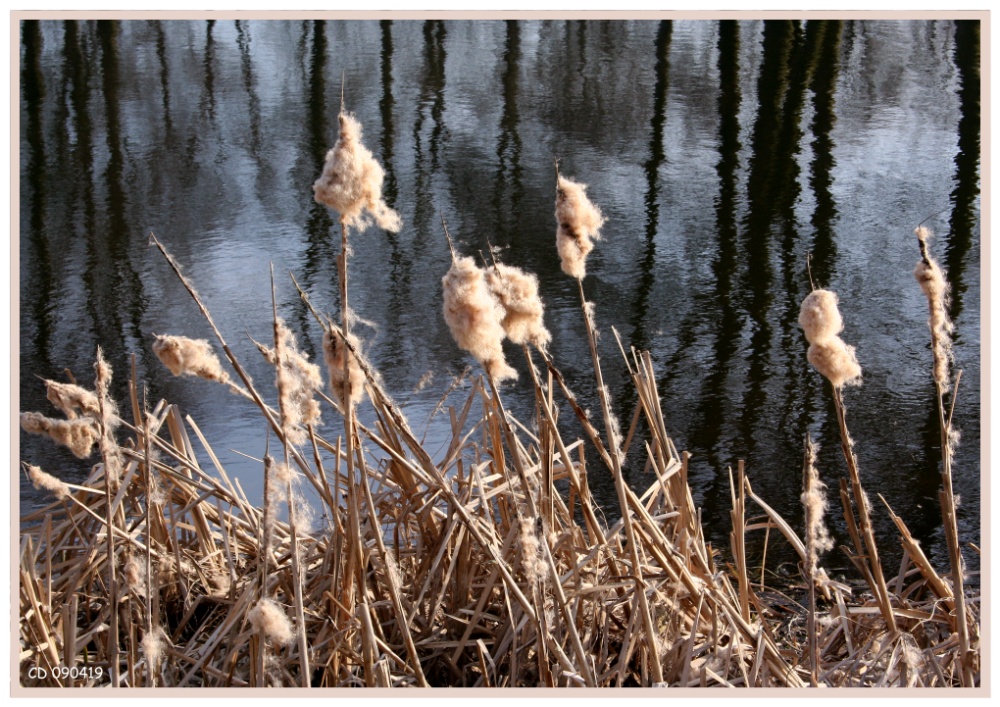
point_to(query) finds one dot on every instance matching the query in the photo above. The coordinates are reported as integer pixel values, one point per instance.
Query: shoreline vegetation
(489, 567)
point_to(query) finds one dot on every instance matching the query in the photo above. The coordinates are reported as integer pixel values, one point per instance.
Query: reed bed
(491, 566)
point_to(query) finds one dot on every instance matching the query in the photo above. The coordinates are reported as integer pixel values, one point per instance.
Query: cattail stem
(280, 355)
(613, 449)
(810, 562)
(879, 588)
(949, 517)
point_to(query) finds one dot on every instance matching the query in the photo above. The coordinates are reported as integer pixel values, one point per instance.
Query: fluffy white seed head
(474, 317)
(334, 353)
(271, 623)
(578, 224)
(42, 480)
(351, 182)
(935, 287)
(836, 361)
(819, 317)
(189, 357)
(517, 292)
(79, 435)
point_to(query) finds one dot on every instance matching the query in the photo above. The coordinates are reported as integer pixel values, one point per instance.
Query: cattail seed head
(517, 292)
(351, 182)
(297, 380)
(334, 353)
(189, 357)
(579, 223)
(836, 361)
(473, 315)
(42, 480)
(821, 321)
(79, 435)
(271, 623)
(814, 501)
(935, 287)
(530, 560)
(70, 398)
(154, 644)
(819, 317)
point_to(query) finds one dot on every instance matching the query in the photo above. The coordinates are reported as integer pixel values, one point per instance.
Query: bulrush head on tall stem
(821, 321)
(517, 292)
(579, 224)
(334, 353)
(351, 182)
(473, 315)
(932, 281)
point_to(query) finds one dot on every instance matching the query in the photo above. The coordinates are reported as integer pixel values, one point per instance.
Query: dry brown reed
(936, 288)
(436, 571)
(351, 182)
(820, 319)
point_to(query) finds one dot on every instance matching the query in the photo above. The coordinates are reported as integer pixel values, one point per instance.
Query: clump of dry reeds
(429, 572)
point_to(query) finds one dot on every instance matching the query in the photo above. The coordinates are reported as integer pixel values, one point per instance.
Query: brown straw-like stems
(879, 588)
(280, 356)
(935, 287)
(611, 430)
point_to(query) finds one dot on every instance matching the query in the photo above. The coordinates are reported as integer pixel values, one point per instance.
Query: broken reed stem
(879, 588)
(101, 387)
(613, 448)
(810, 564)
(737, 536)
(281, 355)
(950, 519)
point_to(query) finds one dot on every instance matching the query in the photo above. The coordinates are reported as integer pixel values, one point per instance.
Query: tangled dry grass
(491, 566)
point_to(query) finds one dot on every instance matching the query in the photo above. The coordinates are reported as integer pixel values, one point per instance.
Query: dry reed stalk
(817, 540)
(821, 322)
(936, 289)
(737, 537)
(611, 429)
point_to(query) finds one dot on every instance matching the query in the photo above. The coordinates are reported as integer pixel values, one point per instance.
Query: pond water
(722, 154)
